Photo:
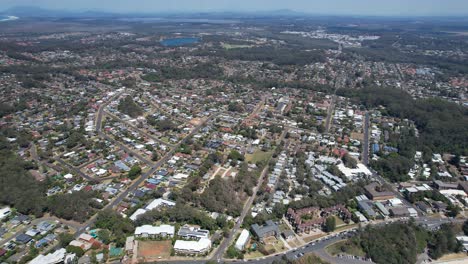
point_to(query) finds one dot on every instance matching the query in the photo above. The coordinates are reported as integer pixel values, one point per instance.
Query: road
(375, 175)
(101, 111)
(64, 163)
(330, 110)
(139, 130)
(248, 205)
(124, 147)
(318, 246)
(365, 147)
(75, 170)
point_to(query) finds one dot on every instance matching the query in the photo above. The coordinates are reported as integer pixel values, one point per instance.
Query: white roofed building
(155, 231)
(156, 203)
(243, 239)
(201, 246)
(59, 256)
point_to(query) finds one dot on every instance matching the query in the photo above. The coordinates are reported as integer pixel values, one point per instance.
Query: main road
(365, 147)
(319, 246)
(218, 255)
(330, 110)
(247, 206)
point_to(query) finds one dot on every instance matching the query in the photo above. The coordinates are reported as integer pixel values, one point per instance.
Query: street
(365, 146)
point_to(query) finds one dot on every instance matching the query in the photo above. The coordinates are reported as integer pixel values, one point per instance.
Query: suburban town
(256, 141)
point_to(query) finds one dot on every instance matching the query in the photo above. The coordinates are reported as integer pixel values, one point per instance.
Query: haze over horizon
(330, 7)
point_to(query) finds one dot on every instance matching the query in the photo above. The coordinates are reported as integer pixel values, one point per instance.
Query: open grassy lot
(345, 247)
(339, 222)
(257, 156)
(274, 245)
(234, 46)
(253, 255)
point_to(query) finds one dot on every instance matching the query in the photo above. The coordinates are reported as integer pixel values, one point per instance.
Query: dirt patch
(454, 256)
(151, 250)
(358, 136)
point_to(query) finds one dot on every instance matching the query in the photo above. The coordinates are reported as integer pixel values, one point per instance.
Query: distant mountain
(32, 11)
(37, 12)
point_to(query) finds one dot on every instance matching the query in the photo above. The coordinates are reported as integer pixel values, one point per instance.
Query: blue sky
(333, 7)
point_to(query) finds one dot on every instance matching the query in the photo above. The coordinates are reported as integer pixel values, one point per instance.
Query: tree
(442, 125)
(134, 172)
(465, 228)
(330, 224)
(104, 235)
(114, 222)
(65, 239)
(233, 253)
(455, 161)
(279, 210)
(349, 161)
(235, 155)
(444, 241)
(129, 107)
(453, 210)
(235, 107)
(78, 206)
(17, 186)
(154, 156)
(76, 250)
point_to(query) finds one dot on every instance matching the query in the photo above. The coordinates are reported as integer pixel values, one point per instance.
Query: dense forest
(221, 195)
(118, 226)
(276, 55)
(17, 187)
(77, 206)
(402, 242)
(442, 125)
(129, 107)
(201, 70)
(340, 197)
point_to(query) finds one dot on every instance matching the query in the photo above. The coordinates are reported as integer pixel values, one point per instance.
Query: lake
(8, 18)
(174, 42)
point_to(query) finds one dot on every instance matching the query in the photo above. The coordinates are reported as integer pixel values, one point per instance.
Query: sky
(322, 7)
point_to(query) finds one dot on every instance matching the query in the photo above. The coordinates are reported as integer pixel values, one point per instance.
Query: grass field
(346, 227)
(253, 254)
(149, 250)
(233, 46)
(257, 156)
(339, 222)
(349, 248)
(273, 244)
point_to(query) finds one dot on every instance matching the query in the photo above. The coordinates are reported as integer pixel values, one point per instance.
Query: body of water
(8, 18)
(175, 42)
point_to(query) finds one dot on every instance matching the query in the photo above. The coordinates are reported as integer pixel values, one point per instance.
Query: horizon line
(185, 12)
